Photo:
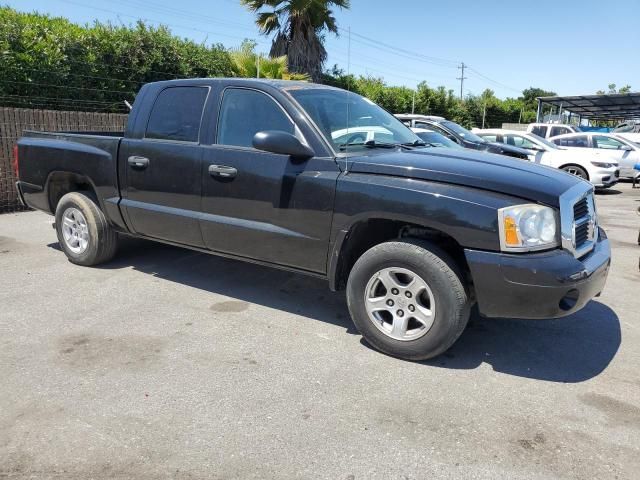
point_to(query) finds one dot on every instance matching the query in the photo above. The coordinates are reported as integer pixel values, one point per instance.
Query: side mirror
(626, 148)
(276, 141)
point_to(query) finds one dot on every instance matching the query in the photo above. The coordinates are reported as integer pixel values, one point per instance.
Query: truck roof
(279, 84)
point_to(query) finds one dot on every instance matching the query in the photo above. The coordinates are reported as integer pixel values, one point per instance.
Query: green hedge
(52, 62)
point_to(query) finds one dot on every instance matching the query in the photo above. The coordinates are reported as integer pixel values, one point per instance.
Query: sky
(570, 47)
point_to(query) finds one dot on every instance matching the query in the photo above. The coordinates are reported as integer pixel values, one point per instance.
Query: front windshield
(350, 121)
(435, 139)
(463, 132)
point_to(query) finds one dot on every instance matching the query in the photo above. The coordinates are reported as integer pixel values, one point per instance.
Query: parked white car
(628, 130)
(625, 152)
(362, 134)
(434, 139)
(548, 130)
(600, 170)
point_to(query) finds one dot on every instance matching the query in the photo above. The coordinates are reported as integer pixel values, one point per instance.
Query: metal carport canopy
(612, 106)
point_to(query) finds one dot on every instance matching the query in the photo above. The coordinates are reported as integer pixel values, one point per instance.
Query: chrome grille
(581, 208)
(578, 219)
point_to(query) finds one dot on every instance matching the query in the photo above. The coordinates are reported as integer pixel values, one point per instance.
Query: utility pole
(484, 113)
(462, 78)
(258, 66)
(413, 103)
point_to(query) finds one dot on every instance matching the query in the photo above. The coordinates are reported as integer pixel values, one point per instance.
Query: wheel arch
(59, 183)
(366, 233)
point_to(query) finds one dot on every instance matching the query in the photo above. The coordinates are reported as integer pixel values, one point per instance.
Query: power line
(493, 81)
(162, 22)
(50, 85)
(377, 43)
(63, 73)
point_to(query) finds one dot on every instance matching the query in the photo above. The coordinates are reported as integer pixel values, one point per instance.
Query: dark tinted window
(176, 114)
(247, 112)
(540, 130)
(555, 131)
(579, 141)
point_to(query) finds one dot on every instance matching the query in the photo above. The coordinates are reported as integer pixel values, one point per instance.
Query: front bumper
(20, 195)
(605, 177)
(538, 285)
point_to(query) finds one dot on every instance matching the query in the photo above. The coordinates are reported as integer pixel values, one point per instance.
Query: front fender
(468, 215)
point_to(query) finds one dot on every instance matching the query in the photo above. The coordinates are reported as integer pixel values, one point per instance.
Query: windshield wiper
(417, 143)
(374, 144)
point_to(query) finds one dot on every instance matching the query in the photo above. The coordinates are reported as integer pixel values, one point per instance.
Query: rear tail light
(15, 161)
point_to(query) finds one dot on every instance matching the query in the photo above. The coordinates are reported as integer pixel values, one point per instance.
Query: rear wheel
(83, 231)
(408, 299)
(576, 170)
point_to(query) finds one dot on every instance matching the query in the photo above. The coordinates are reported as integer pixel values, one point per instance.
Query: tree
(298, 28)
(530, 94)
(612, 90)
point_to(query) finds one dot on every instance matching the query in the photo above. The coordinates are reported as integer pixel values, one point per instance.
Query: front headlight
(603, 164)
(527, 227)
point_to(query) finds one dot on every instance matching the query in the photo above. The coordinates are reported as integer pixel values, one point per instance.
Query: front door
(262, 205)
(619, 151)
(163, 180)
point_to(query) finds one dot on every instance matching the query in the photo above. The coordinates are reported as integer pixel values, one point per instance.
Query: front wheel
(576, 170)
(408, 299)
(83, 231)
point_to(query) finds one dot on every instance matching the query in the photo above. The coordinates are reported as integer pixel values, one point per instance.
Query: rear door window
(176, 114)
(580, 141)
(555, 131)
(245, 112)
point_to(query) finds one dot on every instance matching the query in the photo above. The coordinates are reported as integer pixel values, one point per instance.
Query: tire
(444, 291)
(576, 170)
(94, 242)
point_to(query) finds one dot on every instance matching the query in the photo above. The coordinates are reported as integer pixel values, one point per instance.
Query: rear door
(262, 205)
(163, 177)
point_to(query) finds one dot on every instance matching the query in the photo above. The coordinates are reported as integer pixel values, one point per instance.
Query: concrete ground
(167, 363)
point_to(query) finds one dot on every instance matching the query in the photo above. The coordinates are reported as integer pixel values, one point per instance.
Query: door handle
(138, 162)
(222, 171)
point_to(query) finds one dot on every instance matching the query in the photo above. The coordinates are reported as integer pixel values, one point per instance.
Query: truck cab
(548, 130)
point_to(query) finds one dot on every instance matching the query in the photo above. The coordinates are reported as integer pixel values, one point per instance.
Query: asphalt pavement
(166, 363)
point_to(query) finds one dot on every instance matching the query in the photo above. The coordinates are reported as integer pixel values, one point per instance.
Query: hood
(485, 171)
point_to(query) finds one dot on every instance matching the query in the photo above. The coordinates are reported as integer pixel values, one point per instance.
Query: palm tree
(298, 27)
(249, 64)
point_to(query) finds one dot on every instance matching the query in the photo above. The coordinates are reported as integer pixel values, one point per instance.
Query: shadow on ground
(571, 349)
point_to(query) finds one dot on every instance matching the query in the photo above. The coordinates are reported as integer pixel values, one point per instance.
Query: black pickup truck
(324, 182)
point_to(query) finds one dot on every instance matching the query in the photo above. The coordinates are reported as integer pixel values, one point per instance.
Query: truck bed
(89, 158)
